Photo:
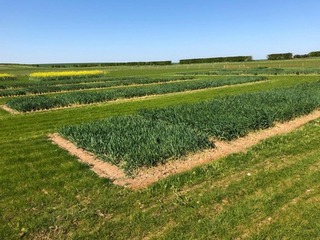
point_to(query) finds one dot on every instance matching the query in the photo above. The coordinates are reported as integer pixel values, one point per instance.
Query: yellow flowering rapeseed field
(66, 74)
(6, 76)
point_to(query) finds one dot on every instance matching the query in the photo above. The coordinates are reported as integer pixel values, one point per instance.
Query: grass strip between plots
(33, 103)
(157, 135)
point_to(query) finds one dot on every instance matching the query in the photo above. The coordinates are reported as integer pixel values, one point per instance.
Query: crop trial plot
(34, 103)
(154, 137)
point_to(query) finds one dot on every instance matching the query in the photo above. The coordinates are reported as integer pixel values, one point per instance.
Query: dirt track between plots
(147, 176)
(8, 109)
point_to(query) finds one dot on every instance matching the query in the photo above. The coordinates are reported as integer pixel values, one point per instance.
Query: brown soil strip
(146, 176)
(10, 110)
(103, 169)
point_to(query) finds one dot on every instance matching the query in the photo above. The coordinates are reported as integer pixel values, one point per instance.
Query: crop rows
(134, 141)
(19, 85)
(256, 71)
(16, 85)
(233, 116)
(33, 103)
(154, 136)
(44, 88)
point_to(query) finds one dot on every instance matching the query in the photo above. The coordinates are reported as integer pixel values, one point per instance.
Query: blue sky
(48, 31)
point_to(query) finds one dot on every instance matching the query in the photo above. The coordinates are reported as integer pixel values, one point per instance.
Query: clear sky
(54, 31)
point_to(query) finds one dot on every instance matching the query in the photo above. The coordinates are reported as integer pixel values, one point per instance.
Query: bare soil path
(147, 176)
(8, 109)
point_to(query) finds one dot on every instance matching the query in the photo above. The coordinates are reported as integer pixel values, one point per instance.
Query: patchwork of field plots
(33, 103)
(272, 190)
(161, 134)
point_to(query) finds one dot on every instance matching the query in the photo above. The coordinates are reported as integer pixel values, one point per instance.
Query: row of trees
(20, 64)
(274, 56)
(216, 59)
(112, 64)
(284, 56)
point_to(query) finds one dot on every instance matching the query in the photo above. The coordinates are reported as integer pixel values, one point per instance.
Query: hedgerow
(216, 59)
(280, 56)
(314, 54)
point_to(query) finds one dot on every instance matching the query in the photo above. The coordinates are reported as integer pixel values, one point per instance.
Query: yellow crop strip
(66, 74)
(6, 75)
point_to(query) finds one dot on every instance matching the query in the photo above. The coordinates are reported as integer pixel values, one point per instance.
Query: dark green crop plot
(161, 134)
(88, 81)
(46, 88)
(35, 83)
(32, 103)
(7, 77)
(133, 141)
(234, 116)
(124, 80)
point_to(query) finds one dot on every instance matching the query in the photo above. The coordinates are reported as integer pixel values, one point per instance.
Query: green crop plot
(33, 103)
(232, 117)
(161, 134)
(59, 86)
(133, 142)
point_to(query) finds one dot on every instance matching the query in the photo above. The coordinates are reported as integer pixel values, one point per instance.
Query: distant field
(155, 70)
(271, 191)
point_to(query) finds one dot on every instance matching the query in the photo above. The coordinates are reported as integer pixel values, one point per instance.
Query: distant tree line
(216, 59)
(314, 54)
(273, 56)
(285, 56)
(301, 56)
(280, 56)
(20, 64)
(83, 65)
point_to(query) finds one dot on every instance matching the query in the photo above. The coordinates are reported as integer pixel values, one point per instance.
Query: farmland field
(159, 114)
